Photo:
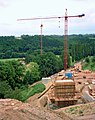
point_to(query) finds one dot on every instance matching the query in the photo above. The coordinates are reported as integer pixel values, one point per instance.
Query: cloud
(80, 0)
(3, 3)
(11, 10)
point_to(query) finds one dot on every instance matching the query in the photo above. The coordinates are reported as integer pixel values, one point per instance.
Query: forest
(21, 63)
(80, 46)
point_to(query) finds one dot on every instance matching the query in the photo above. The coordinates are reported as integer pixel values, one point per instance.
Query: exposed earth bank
(11, 109)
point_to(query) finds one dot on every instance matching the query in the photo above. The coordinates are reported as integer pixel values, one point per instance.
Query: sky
(11, 10)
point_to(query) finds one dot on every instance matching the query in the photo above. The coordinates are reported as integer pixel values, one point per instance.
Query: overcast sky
(11, 10)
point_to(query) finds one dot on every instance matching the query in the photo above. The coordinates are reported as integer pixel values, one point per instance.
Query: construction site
(72, 87)
(71, 90)
(69, 95)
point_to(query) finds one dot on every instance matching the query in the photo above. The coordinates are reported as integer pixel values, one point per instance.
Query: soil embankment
(15, 110)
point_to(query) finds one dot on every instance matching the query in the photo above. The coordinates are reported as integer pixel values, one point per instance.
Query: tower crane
(65, 32)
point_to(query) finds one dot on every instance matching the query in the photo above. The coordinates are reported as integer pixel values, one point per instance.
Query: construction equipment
(65, 32)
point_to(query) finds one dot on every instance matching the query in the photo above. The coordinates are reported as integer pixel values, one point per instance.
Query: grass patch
(28, 92)
(82, 110)
(73, 110)
(10, 59)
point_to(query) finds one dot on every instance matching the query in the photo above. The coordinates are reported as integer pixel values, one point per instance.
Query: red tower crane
(65, 32)
(66, 38)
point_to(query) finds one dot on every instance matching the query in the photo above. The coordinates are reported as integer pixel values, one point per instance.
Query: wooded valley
(16, 75)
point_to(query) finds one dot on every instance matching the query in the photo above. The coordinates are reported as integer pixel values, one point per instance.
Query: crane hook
(59, 23)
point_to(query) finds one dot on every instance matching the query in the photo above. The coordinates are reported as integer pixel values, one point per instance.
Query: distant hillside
(80, 46)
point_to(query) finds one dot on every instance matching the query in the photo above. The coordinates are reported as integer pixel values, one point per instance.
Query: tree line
(80, 46)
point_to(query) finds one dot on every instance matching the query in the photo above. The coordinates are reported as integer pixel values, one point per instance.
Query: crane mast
(65, 41)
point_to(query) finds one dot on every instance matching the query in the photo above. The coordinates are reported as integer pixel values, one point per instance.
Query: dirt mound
(11, 109)
(33, 101)
(16, 110)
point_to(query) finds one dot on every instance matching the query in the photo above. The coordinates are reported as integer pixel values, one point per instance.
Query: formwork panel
(64, 89)
(64, 82)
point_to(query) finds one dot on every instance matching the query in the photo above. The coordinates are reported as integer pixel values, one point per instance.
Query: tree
(19, 72)
(5, 89)
(32, 73)
(49, 64)
(13, 72)
(28, 78)
(93, 59)
(87, 60)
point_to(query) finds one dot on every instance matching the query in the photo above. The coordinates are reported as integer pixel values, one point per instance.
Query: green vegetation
(21, 64)
(81, 110)
(15, 77)
(10, 59)
(12, 72)
(32, 73)
(75, 111)
(48, 63)
(80, 46)
(89, 63)
(32, 90)
(13, 82)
